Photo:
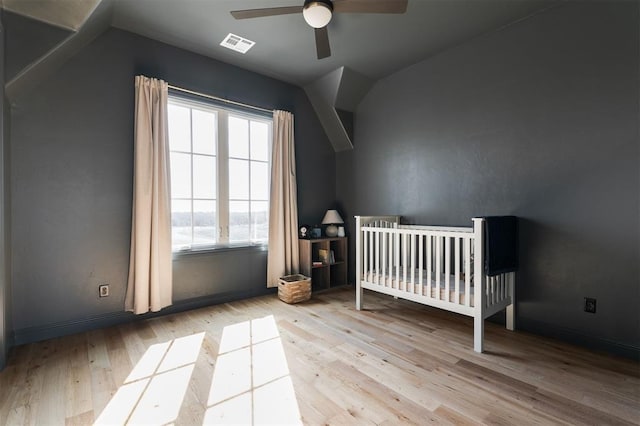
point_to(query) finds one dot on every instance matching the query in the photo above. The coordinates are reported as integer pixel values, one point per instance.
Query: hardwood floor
(250, 361)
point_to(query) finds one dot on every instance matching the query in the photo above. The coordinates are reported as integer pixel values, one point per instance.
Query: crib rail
(441, 264)
(437, 266)
(418, 262)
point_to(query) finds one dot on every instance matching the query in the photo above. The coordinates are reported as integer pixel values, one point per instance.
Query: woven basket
(294, 288)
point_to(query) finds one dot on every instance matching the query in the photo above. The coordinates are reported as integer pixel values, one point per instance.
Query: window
(219, 175)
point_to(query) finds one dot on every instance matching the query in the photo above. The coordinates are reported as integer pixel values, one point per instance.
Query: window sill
(221, 248)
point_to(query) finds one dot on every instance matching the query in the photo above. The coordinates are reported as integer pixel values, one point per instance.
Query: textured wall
(72, 159)
(27, 40)
(4, 303)
(539, 120)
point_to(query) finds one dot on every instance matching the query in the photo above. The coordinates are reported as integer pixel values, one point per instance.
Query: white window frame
(222, 165)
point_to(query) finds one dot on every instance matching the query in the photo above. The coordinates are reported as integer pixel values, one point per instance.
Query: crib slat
(377, 258)
(457, 270)
(506, 286)
(438, 261)
(391, 240)
(372, 264)
(494, 290)
(365, 254)
(404, 261)
(467, 271)
(384, 258)
(420, 262)
(447, 269)
(396, 257)
(492, 293)
(413, 263)
(429, 265)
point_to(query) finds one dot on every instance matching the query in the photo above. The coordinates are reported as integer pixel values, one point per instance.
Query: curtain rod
(215, 98)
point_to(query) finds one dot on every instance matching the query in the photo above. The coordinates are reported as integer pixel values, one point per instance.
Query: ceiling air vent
(237, 43)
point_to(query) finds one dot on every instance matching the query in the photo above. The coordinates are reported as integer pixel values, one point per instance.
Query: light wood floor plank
(396, 362)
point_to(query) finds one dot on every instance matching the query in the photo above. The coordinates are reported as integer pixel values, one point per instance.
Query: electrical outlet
(590, 305)
(103, 290)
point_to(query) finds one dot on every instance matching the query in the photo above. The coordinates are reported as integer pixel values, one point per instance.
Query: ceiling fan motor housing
(317, 13)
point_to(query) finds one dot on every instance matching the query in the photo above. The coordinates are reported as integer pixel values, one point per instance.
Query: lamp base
(331, 231)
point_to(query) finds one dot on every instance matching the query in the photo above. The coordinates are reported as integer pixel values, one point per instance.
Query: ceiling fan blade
(322, 43)
(271, 11)
(370, 6)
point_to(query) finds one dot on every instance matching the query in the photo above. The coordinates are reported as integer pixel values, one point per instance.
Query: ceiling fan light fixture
(317, 13)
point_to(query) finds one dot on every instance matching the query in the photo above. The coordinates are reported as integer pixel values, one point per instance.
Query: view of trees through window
(219, 175)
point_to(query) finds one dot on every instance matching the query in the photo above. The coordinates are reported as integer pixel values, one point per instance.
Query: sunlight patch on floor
(251, 382)
(154, 390)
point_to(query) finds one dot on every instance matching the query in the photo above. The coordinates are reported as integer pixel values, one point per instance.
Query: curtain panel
(283, 255)
(149, 286)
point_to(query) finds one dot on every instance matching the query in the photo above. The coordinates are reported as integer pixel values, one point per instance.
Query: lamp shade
(332, 217)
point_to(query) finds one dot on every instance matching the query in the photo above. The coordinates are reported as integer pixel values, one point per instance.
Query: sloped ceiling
(365, 47)
(372, 45)
(27, 40)
(68, 14)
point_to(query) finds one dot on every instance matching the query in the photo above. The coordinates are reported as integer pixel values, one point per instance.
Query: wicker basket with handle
(294, 288)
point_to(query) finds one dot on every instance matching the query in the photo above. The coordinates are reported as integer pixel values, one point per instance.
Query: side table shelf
(325, 271)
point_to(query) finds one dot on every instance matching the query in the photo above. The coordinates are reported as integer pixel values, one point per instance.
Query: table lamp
(332, 218)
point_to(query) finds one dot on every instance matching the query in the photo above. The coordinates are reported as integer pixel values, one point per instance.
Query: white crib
(432, 265)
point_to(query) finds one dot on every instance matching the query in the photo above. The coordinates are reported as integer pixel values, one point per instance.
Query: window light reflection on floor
(143, 398)
(251, 382)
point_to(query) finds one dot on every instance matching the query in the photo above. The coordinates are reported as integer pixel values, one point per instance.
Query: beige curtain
(283, 256)
(149, 287)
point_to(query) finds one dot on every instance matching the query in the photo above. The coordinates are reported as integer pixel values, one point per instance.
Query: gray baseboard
(49, 331)
(64, 328)
(579, 339)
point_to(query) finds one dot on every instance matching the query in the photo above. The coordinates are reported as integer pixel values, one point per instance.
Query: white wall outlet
(103, 290)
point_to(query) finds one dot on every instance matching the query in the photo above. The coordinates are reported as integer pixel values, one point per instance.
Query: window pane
(259, 181)
(238, 221)
(180, 223)
(180, 175)
(259, 221)
(238, 179)
(238, 137)
(194, 138)
(259, 141)
(204, 222)
(179, 128)
(204, 176)
(204, 132)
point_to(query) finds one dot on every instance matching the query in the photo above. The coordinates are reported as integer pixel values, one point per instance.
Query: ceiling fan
(318, 14)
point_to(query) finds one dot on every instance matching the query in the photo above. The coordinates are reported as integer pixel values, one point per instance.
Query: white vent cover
(237, 43)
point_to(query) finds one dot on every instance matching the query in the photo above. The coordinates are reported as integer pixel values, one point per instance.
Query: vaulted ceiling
(373, 45)
(364, 47)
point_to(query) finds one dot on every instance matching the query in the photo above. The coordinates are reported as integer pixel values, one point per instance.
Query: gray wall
(71, 162)
(4, 305)
(539, 120)
(27, 40)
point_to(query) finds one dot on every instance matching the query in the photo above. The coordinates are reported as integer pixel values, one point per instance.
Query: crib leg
(478, 333)
(359, 295)
(511, 317)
